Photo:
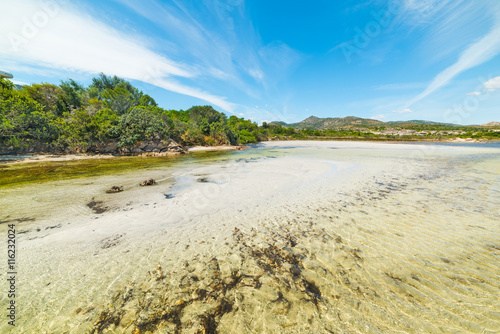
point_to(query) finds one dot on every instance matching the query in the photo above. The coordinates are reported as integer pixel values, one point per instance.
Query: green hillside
(316, 123)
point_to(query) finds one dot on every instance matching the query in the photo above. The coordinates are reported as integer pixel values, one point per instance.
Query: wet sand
(30, 158)
(292, 237)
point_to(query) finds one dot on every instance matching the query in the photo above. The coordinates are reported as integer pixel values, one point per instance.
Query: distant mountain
(492, 124)
(317, 123)
(416, 121)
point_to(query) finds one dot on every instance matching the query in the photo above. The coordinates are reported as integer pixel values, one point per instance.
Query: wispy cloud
(475, 54)
(422, 10)
(378, 117)
(277, 58)
(403, 111)
(73, 41)
(401, 86)
(458, 23)
(474, 93)
(219, 38)
(22, 83)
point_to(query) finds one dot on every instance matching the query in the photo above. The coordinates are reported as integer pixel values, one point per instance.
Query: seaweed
(161, 300)
(97, 206)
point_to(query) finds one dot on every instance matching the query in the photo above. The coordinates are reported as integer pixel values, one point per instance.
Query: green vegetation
(348, 128)
(70, 118)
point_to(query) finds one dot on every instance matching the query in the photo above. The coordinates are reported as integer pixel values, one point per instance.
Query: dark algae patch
(267, 279)
(97, 206)
(17, 220)
(196, 299)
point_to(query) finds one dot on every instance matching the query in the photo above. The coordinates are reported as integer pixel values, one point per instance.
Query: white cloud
(424, 8)
(487, 87)
(256, 73)
(402, 111)
(277, 58)
(67, 39)
(228, 44)
(400, 86)
(22, 83)
(475, 54)
(492, 85)
(378, 117)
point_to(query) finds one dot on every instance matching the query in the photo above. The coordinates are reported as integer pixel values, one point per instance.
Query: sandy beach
(68, 157)
(30, 158)
(213, 148)
(289, 237)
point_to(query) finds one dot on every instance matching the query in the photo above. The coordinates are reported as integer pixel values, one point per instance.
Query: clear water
(291, 237)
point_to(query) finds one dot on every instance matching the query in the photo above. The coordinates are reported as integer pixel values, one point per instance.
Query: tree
(72, 95)
(47, 95)
(71, 116)
(23, 120)
(146, 101)
(119, 99)
(138, 125)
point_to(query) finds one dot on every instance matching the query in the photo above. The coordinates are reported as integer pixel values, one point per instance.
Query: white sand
(212, 148)
(66, 157)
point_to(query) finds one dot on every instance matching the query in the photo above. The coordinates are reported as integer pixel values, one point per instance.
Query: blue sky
(271, 60)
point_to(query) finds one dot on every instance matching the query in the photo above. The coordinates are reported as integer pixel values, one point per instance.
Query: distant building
(5, 74)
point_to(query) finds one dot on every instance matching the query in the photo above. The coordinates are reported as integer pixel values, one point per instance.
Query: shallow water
(293, 237)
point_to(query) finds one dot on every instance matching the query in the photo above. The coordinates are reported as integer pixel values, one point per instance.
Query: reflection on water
(411, 250)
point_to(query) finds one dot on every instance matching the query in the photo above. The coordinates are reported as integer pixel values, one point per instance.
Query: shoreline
(43, 157)
(214, 148)
(35, 157)
(52, 157)
(383, 140)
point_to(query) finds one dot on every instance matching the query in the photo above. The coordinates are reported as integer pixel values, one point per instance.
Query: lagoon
(285, 237)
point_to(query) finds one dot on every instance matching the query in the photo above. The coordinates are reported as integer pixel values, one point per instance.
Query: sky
(271, 60)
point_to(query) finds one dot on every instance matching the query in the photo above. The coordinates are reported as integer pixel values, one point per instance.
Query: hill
(351, 122)
(415, 121)
(316, 123)
(496, 124)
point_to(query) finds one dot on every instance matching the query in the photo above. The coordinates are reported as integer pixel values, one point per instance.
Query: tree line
(72, 118)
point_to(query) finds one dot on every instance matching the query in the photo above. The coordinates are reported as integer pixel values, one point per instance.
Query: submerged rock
(114, 189)
(148, 182)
